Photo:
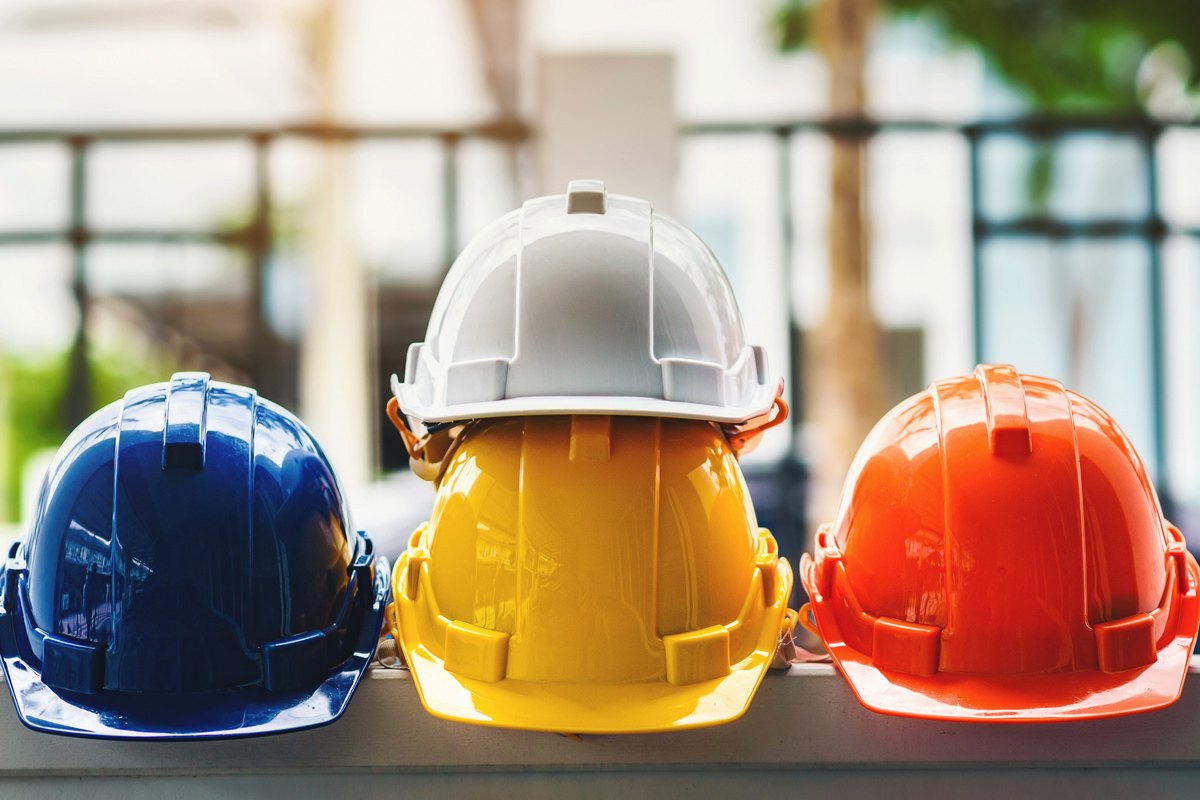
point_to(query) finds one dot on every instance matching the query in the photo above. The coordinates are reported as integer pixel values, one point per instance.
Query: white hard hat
(585, 303)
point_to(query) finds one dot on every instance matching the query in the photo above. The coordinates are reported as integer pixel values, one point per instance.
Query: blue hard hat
(192, 572)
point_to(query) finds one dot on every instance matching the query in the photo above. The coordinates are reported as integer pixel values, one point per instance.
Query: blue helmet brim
(249, 711)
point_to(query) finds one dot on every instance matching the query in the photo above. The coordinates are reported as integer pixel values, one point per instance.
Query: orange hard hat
(999, 555)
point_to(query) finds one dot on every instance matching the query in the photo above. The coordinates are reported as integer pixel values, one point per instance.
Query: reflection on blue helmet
(192, 571)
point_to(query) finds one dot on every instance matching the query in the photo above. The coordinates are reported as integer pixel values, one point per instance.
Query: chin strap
(789, 652)
(412, 442)
(745, 436)
(427, 452)
(387, 653)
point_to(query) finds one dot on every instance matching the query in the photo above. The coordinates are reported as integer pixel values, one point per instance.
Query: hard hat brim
(761, 403)
(1044, 697)
(589, 708)
(245, 712)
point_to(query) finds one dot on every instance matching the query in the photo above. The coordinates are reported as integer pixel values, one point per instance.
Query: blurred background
(898, 189)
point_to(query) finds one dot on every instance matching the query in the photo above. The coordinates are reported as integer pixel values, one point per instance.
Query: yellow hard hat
(590, 574)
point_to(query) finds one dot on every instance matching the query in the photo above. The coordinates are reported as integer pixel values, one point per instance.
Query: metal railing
(256, 239)
(1149, 228)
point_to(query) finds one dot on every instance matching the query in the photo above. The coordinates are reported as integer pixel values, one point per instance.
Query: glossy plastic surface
(191, 572)
(1000, 555)
(590, 575)
(604, 309)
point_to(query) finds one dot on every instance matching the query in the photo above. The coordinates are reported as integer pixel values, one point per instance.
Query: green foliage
(790, 25)
(1064, 54)
(37, 389)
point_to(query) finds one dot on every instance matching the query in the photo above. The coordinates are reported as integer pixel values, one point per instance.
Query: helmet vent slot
(586, 197)
(185, 428)
(1007, 419)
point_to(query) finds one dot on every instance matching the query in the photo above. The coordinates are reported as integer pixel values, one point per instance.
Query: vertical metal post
(78, 402)
(787, 236)
(450, 152)
(265, 355)
(791, 478)
(1156, 232)
(979, 234)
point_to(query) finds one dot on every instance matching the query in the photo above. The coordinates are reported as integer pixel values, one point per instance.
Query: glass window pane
(152, 270)
(486, 189)
(728, 191)
(191, 186)
(1181, 306)
(184, 304)
(34, 187)
(920, 245)
(1079, 312)
(811, 156)
(38, 321)
(1077, 178)
(1178, 168)
(397, 209)
(37, 310)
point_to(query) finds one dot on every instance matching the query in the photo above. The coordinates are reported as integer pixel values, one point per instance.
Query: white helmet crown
(585, 303)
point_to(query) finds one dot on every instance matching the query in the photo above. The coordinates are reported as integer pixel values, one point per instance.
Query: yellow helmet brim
(592, 708)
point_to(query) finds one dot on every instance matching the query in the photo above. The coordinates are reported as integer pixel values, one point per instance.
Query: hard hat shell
(590, 575)
(1000, 555)
(192, 572)
(585, 303)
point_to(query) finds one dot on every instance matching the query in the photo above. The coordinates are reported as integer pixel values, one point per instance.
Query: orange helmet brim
(1043, 697)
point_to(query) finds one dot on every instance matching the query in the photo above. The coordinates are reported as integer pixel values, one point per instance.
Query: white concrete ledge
(804, 728)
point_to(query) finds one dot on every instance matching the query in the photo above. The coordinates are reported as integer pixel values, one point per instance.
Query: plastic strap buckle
(412, 571)
(294, 662)
(425, 466)
(363, 561)
(72, 665)
(67, 663)
(299, 660)
(828, 556)
(766, 558)
(412, 443)
(1177, 552)
(741, 436)
(785, 652)
(14, 569)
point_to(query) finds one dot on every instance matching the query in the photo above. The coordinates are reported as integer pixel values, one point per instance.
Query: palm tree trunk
(844, 377)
